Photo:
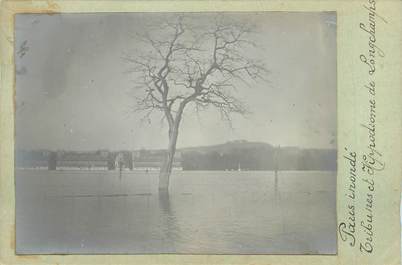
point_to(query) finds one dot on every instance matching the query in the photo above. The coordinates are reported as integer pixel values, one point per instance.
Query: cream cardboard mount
(369, 96)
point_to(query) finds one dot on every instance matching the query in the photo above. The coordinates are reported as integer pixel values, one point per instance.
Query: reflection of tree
(184, 64)
(164, 202)
(172, 231)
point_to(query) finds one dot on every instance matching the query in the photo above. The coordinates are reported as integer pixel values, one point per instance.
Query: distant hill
(246, 155)
(228, 146)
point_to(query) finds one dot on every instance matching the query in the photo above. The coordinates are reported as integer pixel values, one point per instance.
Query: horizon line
(185, 147)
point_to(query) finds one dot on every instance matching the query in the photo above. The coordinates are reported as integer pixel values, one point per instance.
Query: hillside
(256, 156)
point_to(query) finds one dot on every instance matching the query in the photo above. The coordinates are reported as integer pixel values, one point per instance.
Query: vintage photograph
(177, 133)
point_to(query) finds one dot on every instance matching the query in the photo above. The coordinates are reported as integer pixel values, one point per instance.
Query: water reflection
(170, 225)
(204, 213)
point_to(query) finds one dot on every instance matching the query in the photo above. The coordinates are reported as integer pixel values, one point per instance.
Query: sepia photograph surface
(181, 133)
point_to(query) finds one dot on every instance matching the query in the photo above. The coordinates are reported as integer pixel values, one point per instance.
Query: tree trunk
(167, 165)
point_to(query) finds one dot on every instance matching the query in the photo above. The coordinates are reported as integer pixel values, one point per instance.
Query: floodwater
(205, 212)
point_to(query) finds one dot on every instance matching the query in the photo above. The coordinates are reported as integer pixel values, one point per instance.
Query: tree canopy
(193, 60)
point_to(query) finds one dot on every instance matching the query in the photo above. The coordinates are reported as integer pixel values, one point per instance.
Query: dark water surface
(206, 212)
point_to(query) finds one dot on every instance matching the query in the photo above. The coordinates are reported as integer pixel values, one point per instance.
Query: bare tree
(186, 61)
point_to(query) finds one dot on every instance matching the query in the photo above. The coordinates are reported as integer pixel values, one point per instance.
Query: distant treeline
(32, 158)
(235, 155)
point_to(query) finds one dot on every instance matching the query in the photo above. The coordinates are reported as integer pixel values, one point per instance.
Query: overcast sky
(73, 91)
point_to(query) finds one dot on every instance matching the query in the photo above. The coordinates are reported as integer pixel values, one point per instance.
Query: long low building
(83, 163)
(93, 160)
